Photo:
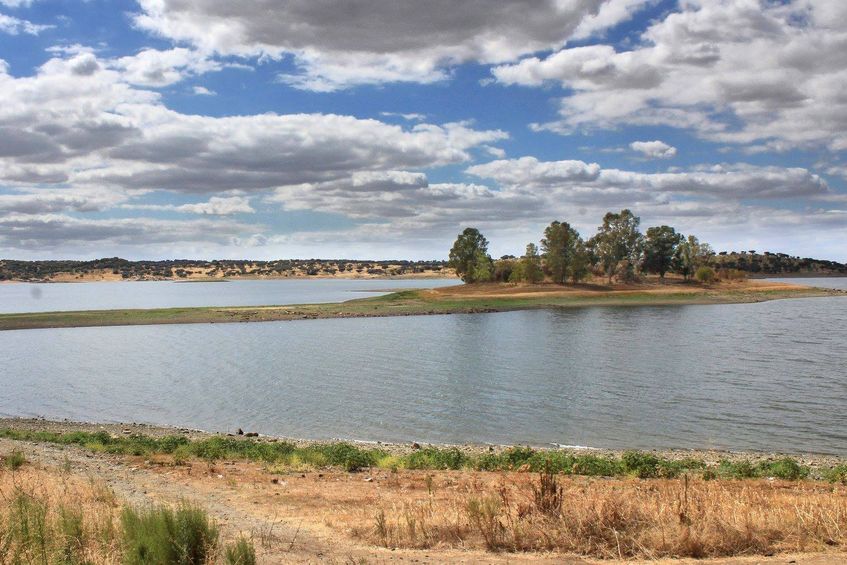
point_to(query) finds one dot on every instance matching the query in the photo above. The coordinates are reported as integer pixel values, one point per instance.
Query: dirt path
(244, 499)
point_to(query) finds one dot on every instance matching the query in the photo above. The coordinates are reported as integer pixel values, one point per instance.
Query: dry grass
(49, 516)
(628, 518)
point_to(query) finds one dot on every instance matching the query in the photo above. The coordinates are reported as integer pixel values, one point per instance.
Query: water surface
(766, 376)
(51, 297)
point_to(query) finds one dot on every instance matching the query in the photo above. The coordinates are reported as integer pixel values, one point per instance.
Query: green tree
(532, 265)
(659, 249)
(559, 247)
(581, 262)
(691, 254)
(469, 257)
(618, 239)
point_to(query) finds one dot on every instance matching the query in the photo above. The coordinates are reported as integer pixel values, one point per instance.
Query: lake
(52, 297)
(768, 376)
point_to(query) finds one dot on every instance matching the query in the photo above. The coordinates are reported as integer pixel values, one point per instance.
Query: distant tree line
(183, 268)
(618, 250)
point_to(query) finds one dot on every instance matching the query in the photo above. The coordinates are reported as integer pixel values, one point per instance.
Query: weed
(548, 495)
(241, 552)
(15, 460)
(185, 536)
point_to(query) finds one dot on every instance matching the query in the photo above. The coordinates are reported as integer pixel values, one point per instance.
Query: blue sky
(378, 129)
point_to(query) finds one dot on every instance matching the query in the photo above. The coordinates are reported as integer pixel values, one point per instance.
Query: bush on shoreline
(285, 455)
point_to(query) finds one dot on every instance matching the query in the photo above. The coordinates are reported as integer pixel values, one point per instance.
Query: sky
(380, 129)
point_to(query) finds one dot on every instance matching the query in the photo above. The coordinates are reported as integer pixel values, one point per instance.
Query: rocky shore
(708, 456)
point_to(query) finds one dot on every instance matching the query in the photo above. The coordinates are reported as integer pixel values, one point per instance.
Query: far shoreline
(460, 299)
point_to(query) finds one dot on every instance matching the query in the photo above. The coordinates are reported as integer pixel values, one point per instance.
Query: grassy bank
(285, 456)
(456, 507)
(53, 516)
(450, 300)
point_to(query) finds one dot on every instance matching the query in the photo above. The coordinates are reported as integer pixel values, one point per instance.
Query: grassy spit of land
(333, 502)
(476, 298)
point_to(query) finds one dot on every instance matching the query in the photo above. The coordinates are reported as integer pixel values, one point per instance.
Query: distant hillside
(116, 268)
(767, 263)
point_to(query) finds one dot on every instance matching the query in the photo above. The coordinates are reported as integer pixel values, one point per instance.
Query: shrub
(642, 465)
(432, 458)
(15, 460)
(241, 552)
(732, 275)
(350, 457)
(735, 469)
(786, 468)
(705, 275)
(185, 536)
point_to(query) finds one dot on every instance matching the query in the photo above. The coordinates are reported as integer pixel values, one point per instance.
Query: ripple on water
(693, 376)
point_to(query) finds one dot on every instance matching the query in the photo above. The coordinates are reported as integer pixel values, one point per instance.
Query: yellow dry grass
(52, 516)
(615, 519)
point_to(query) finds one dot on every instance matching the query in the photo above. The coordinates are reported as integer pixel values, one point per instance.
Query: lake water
(823, 282)
(51, 297)
(766, 376)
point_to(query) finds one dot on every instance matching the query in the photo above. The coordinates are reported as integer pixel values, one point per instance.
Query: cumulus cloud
(410, 116)
(45, 231)
(375, 41)
(79, 120)
(202, 91)
(153, 67)
(15, 26)
(86, 134)
(215, 206)
(734, 71)
(653, 149)
(572, 178)
(45, 201)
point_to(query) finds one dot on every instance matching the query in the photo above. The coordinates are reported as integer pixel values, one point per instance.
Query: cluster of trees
(182, 268)
(618, 249)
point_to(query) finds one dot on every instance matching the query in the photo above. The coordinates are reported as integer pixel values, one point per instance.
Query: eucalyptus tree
(691, 254)
(531, 263)
(469, 257)
(559, 246)
(618, 239)
(659, 249)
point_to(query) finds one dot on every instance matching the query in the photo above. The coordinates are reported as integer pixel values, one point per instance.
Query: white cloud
(410, 116)
(49, 231)
(734, 71)
(376, 41)
(584, 180)
(45, 201)
(152, 67)
(215, 206)
(81, 135)
(654, 149)
(202, 91)
(15, 26)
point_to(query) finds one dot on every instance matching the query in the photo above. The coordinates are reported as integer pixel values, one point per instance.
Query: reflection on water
(767, 376)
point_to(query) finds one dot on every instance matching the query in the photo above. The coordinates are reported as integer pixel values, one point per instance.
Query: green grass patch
(281, 456)
(15, 460)
(185, 536)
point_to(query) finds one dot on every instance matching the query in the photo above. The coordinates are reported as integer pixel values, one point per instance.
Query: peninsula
(460, 299)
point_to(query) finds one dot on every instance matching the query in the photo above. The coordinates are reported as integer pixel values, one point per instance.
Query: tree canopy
(659, 249)
(469, 257)
(559, 246)
(618, 239)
